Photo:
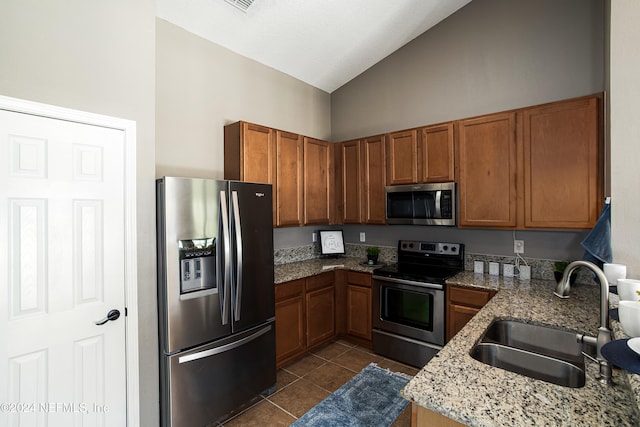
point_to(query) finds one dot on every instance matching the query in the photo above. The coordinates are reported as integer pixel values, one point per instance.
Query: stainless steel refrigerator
(215, 297)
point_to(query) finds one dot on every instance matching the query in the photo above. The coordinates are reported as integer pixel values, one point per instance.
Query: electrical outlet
(508, 270)
(314, 237)
(518, 246)
(362, 237)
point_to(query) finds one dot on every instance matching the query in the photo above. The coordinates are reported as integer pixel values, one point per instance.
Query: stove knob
(445, 247)
(411, 245)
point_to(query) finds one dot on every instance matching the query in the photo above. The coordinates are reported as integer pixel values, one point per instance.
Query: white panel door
(62, 268)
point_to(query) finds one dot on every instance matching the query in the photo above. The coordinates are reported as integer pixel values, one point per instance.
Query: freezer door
(205, 384)
(191, 254)
(252, 232)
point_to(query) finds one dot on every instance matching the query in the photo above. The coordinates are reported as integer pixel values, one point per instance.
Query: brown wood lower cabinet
(290, 342)
(462, 304)
(358, 305)
(423, 417)
(321, 308)
(305, 315)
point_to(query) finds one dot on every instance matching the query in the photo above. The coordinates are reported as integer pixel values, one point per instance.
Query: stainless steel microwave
(422, 204)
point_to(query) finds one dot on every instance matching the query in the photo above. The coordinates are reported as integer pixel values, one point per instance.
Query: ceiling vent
(243, 5)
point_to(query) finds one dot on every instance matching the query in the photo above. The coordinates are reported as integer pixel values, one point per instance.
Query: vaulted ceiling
(324, 43)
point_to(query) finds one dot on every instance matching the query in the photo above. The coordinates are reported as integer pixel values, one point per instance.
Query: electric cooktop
(429, 262)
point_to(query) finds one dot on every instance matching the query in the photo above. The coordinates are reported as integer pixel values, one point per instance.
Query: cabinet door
(289, 185)
(403, 157)
(436, 153)
(249, 153)
(462, 305)
(562, 174)
(321, 325)
(359, 311)
(351, 182)
(290, 341)
(487, 166)
(358, 305)
(374, 179)
(317, 174)
(458, 317)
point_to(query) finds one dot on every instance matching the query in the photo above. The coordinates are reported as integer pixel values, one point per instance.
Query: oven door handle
(408, 282)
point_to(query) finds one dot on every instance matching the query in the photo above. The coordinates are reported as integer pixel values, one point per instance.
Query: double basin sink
(535, 351)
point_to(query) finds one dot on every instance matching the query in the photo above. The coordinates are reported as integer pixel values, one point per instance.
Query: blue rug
(371, 398)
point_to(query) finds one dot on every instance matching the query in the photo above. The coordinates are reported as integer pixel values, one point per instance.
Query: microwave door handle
(224, 295)
(238, 288)
(438, 211)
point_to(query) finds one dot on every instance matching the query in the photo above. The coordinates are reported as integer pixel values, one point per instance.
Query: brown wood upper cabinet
(249, 153)
(363, 178)
(374, 180)
(487, 171)
(402, 165)
(351, 182)
(436, 161)
(536, 167)
(289, 179)
(421, 155)
(562, 185)
(318, 171)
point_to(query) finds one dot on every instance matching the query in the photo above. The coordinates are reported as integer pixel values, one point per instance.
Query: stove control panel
(438, 248)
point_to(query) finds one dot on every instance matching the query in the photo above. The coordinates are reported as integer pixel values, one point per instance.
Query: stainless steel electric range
(409, 300)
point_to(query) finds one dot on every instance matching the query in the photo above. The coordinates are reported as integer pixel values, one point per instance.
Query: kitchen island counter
(455, 385)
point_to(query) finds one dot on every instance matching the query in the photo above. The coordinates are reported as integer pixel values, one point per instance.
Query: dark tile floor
(304, 383)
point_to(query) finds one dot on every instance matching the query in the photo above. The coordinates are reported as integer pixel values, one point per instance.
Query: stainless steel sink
(539, 352)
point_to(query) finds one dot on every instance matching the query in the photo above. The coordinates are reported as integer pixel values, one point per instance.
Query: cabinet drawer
(362, 279)
(289, 289)
(320, 281)
(469, 297)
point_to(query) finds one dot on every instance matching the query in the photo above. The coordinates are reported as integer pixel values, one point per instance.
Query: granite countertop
(311, 267)
(473, 393)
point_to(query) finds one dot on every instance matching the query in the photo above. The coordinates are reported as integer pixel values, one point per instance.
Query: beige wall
(625, 134)
(202, 86)
(96, 57)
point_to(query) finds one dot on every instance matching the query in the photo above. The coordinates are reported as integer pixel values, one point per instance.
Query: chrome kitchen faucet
(604, 333)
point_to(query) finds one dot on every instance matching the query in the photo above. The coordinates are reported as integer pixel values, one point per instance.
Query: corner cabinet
(462, 304)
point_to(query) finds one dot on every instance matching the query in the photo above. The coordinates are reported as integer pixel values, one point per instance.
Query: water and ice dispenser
(197, 264)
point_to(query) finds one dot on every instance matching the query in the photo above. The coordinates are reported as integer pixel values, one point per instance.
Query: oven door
(409, 309)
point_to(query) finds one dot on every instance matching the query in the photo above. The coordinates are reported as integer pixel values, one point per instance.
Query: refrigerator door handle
(224, 348)
(238, 291)
(224, 295)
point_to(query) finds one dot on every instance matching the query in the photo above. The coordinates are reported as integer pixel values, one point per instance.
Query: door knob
(112, 315)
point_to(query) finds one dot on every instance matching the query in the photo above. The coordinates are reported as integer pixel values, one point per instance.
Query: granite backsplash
(540, 268)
